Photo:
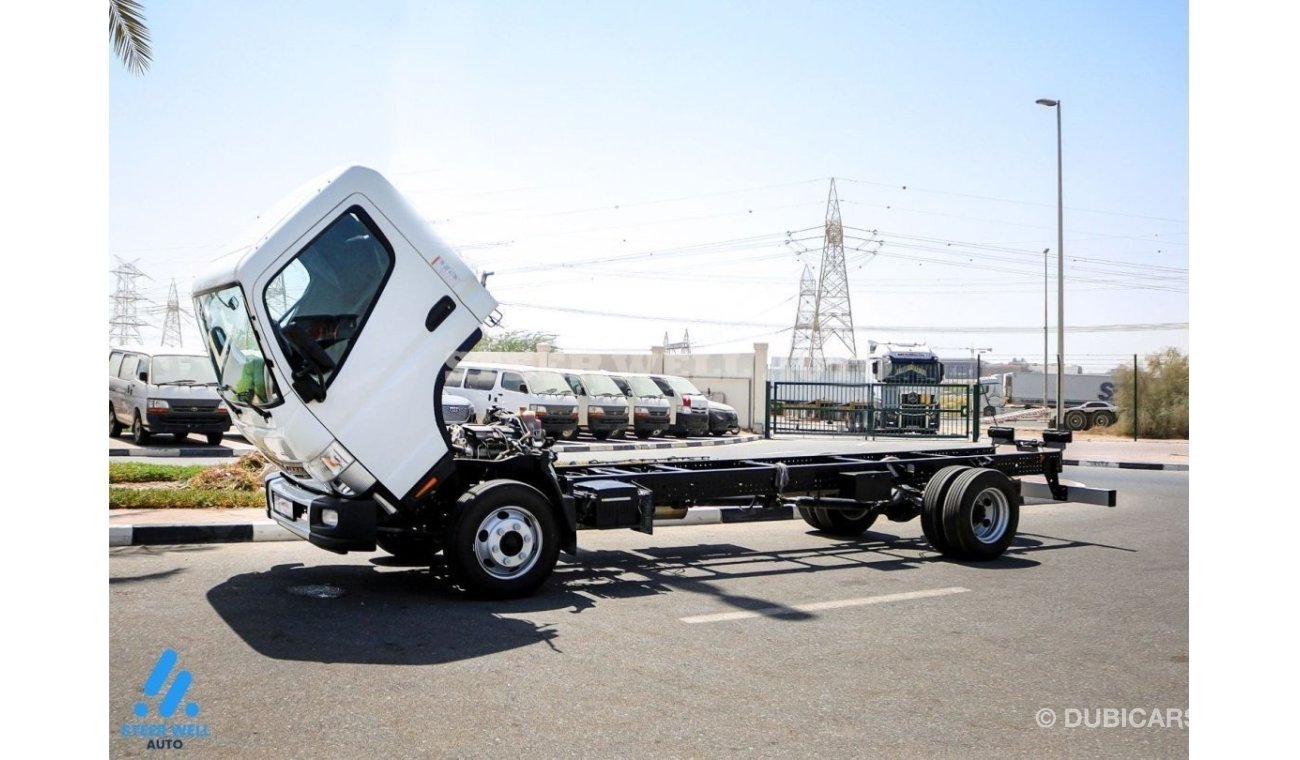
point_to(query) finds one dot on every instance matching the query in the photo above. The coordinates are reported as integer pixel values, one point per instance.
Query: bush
(242, 475)
(140, 472)
(182, 498)
(1163, 397)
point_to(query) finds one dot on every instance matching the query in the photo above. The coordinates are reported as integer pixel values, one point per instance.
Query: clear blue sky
(689, 138)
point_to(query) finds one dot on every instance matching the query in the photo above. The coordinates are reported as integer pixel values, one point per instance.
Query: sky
(629, 171)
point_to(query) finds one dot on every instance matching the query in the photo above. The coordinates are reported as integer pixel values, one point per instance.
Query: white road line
(817, 606)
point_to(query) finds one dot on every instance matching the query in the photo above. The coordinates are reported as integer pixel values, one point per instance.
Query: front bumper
(723, 422)
(650, 422)
(187, 422)
(301, 512)
(611, 423)
(693, 423)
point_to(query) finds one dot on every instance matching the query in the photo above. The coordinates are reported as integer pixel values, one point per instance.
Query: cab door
(389, 324)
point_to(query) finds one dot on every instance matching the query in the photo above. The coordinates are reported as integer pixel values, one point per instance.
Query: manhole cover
(322, 591)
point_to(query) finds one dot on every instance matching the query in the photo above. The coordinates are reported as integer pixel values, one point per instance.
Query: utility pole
(834, 311)
(124, 326)
(172, 321)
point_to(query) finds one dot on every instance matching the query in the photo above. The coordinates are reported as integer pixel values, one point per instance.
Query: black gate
(872, 410)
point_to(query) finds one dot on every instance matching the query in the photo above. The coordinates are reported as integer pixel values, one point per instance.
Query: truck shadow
(381, 614)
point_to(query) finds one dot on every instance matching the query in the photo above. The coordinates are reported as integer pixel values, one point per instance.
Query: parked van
(602, 407)
(514, 387)
(651, 412)
(690, 406)
(164, 390)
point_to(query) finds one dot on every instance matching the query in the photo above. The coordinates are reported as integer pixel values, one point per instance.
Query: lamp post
(1060, 269)
(1045, 362)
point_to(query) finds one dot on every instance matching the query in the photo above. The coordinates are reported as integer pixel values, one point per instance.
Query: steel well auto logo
(166, 719)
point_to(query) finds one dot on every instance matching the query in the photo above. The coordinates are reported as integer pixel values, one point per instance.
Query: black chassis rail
(856, 477)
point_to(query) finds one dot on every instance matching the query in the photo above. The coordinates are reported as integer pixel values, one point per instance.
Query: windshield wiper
(179, 382)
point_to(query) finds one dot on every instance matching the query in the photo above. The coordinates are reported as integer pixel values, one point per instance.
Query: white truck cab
(307, 353)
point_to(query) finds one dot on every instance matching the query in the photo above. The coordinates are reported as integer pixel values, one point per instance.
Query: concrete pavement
(136, 527)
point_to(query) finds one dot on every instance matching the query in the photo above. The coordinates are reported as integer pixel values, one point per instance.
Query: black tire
(717, 433)
(180, 437)
(214, 439)
(813, 517)
(139, 435)
(415, 550)
(1103, 419)
(503, 540)
(980, 514)
(600, 435)
(1076, 420)
(114, 427)
(844, 523)
(569, 435)
(990, 411)
(643, 434)
(936, 490)
(681, 433)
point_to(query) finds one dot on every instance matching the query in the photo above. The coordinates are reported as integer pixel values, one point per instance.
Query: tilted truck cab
(331, 328)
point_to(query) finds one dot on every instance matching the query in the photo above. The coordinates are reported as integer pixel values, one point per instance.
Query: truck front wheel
(503, 541)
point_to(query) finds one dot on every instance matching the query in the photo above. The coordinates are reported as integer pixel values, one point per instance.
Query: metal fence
(872, 410)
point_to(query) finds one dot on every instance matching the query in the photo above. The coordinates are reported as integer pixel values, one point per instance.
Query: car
(456, 410)
(723, 419)
(1091, 414)
(164, 390)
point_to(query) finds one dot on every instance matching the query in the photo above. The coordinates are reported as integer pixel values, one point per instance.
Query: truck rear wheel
(932, 501)
(980, 514)
(846, 523)
(1103, 419)
(1076, 420)
(503, 540)
(812, 517)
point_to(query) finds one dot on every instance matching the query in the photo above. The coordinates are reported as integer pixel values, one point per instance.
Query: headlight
(598, 411)
(158, 405)
(539, 408)
(336, 459)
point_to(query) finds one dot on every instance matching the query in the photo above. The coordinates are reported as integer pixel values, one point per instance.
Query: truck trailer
(332, 329)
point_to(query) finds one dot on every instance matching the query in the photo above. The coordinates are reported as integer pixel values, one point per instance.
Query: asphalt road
(763, 639)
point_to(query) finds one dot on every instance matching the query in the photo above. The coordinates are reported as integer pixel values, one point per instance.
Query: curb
(269, 530)
(204, 451)
(1123, 465)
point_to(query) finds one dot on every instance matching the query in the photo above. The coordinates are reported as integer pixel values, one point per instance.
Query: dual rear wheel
(970, 513)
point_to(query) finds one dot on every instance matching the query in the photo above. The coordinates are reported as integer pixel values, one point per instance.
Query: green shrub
(144, 472)
(1163, 396)
(182, 498)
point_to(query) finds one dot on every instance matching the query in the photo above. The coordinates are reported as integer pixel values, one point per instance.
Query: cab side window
(481, 379)
(455, 377)
(513, 381)
(114, 363)
(130, 364)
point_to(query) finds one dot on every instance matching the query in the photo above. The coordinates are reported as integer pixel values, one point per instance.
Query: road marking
(818, 606)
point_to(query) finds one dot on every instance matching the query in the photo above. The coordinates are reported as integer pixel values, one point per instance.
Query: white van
(602, 407)
(164, 390)
(690, 405)
(651, 412)
(514, 388)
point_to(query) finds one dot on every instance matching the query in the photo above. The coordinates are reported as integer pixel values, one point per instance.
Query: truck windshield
(600, 385)
(241, 373)
(542, 381)
(913, 372)
(182, 370)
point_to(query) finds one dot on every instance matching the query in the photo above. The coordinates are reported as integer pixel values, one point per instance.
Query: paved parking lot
(763, 639)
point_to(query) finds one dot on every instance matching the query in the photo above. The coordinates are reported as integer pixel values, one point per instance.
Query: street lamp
(1045, 362)
(1060, 270)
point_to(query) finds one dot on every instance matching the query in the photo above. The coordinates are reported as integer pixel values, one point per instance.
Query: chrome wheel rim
(508, 542)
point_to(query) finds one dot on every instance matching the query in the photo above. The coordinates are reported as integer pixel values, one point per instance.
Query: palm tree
(129, 34)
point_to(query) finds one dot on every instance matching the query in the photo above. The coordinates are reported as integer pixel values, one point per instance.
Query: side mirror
(523, 387)
(143, 375)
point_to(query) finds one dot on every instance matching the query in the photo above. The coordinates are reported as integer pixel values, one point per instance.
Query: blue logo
(181, 684)
(163, 733)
